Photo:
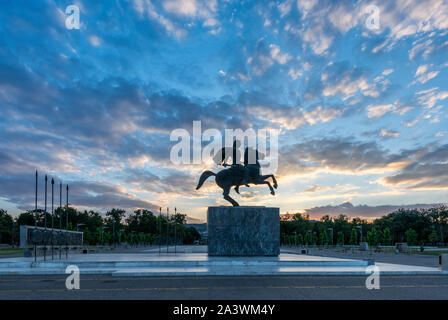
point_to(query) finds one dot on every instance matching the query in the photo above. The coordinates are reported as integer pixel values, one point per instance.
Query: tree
(142, 221)
(387, 238)
(411, 237)
(191, 234)
(93, 221)
(314, 238)
(404, 219)
(342, 223)
(374, 237)
(299, 239)
(97, 236)
(354, 236)
(107, 237)
(116, 215)
(433, 237)
(439, 219)
(87, 237)
(378, 237)
(323, 239)
(152, 239)
(26, 219)
(340, 238)
(6, 223)
(370, 237)
(307, 239)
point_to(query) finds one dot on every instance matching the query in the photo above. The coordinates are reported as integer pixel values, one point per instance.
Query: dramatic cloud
(333, 154)
(428, 170)
(95, 107)
(361, 211)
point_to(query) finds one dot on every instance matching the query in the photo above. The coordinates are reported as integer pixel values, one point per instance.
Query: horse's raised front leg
(270, 176)
(228, 198)
(269, 185)
(275, 181)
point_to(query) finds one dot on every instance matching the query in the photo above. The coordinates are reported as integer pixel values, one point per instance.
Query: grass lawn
(431, 253)
(10, 250)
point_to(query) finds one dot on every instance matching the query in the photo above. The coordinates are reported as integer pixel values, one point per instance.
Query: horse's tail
(204, 176)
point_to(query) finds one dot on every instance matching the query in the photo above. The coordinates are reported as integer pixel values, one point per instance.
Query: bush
(299, 239)
(323, 239)
(354, 236)
(314, 239)
(411, 237)
(307, 239)
(387, 238)
(190, 235)
(340, 238)
(433, 237)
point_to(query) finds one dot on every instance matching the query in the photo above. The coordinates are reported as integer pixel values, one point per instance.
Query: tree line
(414, 226)
(141, 227)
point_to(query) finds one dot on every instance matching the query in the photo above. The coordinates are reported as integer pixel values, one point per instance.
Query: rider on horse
(251, 167)
(237, 174)
(225, 153)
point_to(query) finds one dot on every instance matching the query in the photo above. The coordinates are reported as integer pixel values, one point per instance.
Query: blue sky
(361, 113)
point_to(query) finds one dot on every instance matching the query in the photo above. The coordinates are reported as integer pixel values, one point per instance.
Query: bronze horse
(233, 176)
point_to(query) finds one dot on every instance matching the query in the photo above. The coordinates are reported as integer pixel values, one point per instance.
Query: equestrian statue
(237, 175)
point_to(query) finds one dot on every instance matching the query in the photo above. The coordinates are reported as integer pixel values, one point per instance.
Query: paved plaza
(194, 261)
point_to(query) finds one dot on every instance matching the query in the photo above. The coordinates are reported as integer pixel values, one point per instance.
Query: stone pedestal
(243, 231)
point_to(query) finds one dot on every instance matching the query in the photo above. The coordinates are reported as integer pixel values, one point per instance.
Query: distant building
(202, 229)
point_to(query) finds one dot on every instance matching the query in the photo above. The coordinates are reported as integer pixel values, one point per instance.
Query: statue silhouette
(238, 174)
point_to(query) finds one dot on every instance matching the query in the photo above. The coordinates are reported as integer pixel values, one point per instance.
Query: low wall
(30, 235)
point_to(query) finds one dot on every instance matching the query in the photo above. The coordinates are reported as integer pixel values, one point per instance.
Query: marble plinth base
(243, 231)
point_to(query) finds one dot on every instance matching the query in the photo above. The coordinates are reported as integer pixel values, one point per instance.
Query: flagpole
(167, 227)
(60, 217)
(52, 218)
(35, 220)
(66, 226)
(175, 223)
(45, 220)
(159, 227)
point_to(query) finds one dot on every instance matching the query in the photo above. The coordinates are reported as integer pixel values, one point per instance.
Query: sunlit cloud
(361, 113)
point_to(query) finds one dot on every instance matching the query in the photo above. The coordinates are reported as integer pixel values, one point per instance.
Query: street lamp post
(12, 234)
(441, 235)
(331, 235)
(119, 236)
(311, 236)
(79, 224)
(13, 238)
(441, 227)
(102, 234)
(113, 232)
(360, 232)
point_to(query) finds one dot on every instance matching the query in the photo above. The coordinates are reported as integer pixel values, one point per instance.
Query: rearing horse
(233, 176)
